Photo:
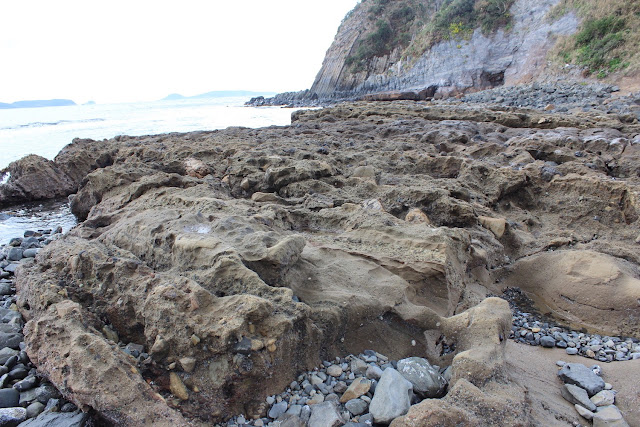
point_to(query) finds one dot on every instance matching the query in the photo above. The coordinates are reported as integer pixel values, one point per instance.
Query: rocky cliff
(481, 61)
(417, 49)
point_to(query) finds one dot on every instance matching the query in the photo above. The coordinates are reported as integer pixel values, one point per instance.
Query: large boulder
(587, 288)
(392, 397)
(34, 178)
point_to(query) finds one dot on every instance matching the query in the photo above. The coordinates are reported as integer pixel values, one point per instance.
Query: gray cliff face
(505, 57)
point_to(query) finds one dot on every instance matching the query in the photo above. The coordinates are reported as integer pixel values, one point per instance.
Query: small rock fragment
(177, 387)
(358, 387)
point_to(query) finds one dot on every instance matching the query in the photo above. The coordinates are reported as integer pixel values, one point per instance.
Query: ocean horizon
(45, 131)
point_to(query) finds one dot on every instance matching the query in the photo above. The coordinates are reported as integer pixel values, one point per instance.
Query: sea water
(45, 131)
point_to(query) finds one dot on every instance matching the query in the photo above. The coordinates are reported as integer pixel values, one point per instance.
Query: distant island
(38, 103)
(215, 94)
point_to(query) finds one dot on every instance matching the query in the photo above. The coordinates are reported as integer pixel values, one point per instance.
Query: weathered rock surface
(34, 178)
(449, 67)
(233, 296)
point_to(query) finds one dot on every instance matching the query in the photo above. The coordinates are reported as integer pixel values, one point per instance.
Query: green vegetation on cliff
(608, 39)
(414, 26)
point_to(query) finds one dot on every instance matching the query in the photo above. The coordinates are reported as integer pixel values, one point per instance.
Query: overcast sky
(135, 50)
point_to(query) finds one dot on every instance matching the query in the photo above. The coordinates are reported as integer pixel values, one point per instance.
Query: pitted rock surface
(252, 290)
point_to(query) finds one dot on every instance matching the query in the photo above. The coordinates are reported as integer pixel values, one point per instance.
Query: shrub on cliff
(608, 39)
(414, 25)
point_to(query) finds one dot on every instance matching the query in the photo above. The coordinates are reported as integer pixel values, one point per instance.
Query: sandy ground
(535, 369)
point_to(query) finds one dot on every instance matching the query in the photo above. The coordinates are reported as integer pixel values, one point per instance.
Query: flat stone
(30, 253)
(427, 381)
(11, 340)
(580, 375)
(278, 409)
(604, 398)
(5, 288)
(576, 395)
(358, 366)
(373, 372)
(547, 342)
(27, 397)
(46, 392)
(356, 406)
(30, 242)
(315, 380)
(6, 353)
(58, 419)
(14, 254)
(26, 384)
(334, 371)
(608, 416)
(325, 415)
(9, 398)
(294, 410)
(584, 412)
(10, 417)
(392, 397)
(572, 351)
(34, 409)
(316, 399)
(11, 268)
(290, 420)
(358, 387)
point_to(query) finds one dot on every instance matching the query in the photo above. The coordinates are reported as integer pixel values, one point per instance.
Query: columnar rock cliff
(510, 55)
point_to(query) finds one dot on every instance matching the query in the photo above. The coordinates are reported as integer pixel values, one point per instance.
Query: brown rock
(416, 215)
(34, 178)
(178, 388)
(265, 197)
(357, 388)
(196, 168)
(496, 225)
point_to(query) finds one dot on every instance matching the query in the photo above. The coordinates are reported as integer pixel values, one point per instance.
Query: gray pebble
(34, 409)
(277, 410)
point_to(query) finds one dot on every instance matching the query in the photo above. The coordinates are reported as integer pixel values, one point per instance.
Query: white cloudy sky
(137, 50)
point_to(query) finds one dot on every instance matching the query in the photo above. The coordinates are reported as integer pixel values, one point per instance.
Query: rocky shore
(216, 275)
(26, 397)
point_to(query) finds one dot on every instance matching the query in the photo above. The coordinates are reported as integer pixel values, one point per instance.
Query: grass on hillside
(415, 26)
(608, 39)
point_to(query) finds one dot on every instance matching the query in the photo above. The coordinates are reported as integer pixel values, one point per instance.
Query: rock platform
(212, 269)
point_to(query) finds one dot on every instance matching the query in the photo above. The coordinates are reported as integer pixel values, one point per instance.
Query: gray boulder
(392, 397)
(609, 416)
(290, 420)
(278, 409)
(325, 414)
(427, 381)
(576, 395)
(356, 406)
(580, 375)
(10, 417)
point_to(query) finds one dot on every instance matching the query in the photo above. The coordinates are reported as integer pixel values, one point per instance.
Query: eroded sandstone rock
(234, 295)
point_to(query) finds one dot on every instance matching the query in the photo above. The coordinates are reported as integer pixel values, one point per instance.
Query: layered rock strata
(239, 258)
